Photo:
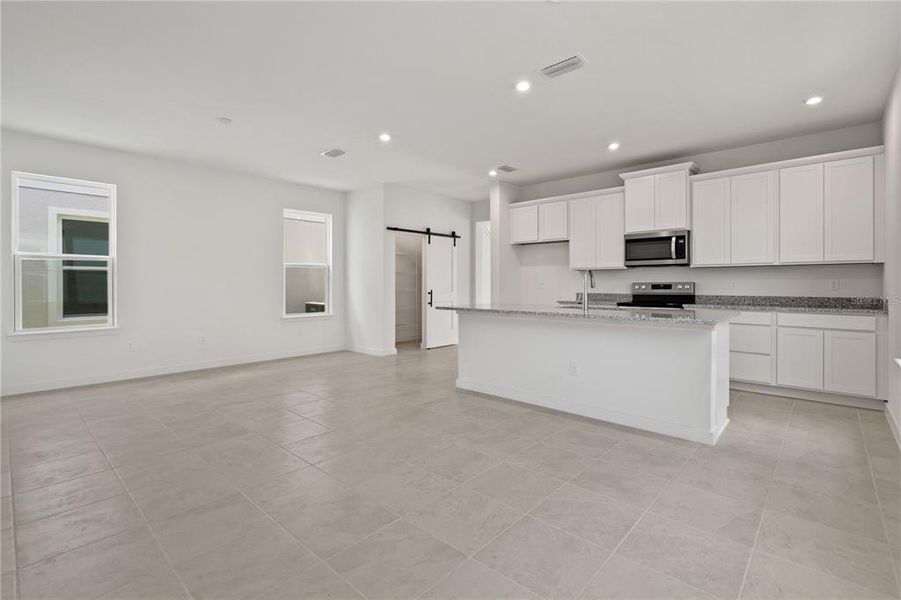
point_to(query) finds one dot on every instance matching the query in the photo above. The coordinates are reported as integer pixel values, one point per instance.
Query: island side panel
(658, 378)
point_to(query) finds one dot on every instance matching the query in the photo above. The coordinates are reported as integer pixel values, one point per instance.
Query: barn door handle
(430, 297)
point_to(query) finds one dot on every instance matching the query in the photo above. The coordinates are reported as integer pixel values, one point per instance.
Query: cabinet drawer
(751, 338)
(852, 322)
(750, 367)
(753, 318)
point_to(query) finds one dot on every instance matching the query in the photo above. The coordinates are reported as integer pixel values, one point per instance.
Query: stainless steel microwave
(657, 248)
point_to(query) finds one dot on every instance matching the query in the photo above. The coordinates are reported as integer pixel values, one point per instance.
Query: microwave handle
(672, 247)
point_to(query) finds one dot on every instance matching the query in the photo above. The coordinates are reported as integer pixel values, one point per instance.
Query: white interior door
(439, 260)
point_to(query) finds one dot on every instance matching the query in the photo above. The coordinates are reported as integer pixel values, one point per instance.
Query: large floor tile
(128, 558)
(659, 460)
(325, 514)
(589, 515)
(544, 559)
(473, 580)
(250, 460)
(457, 463)
(30, 476)
(585, 442)
(771, 578)
(704, 560)
(731, 518)
(621, 482)
(318, 582)
(400, 561)
(623, 579)
(746, 486)
(57, 498)
(7, 551)
(853, 483)
(247, 566)
(42, 539)
(514, 486)
(465, 519)
(855, 558)
(494, 443)
(552, 461)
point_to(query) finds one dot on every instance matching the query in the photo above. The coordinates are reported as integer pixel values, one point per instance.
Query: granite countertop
(698, 317)
(863, 306)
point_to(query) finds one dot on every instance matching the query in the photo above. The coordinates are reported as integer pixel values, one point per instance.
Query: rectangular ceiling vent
(563, 67)
(334, 153)
(506, 168)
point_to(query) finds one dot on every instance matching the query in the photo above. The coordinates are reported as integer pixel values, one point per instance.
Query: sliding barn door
(439, 260)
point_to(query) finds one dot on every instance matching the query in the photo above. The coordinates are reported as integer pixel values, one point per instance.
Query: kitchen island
(665, 371)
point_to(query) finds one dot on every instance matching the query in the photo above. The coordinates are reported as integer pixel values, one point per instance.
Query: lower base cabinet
(799, 357)
(850, 359)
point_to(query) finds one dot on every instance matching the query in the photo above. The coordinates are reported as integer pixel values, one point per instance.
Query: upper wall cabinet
(801, 214)
(538, 221)
(596, 232)
(657, 199)
(712, 223)
(848, 210)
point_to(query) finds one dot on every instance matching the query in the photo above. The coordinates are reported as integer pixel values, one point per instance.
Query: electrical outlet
(731, 284)
(202, 340)
(574, 369)
(131, 346)
(833, 284)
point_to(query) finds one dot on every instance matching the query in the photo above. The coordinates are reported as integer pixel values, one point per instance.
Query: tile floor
(347, 476)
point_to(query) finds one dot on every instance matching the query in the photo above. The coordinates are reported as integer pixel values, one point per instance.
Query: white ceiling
(298, 78)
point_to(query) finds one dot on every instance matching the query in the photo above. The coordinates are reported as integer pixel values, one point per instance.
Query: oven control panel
(663, 287)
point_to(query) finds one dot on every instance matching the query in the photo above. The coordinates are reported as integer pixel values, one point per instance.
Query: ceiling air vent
(563, 67)
(333, 153)
(506, 168)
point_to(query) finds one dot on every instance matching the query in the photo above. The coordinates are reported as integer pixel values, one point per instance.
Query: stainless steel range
(665, 294)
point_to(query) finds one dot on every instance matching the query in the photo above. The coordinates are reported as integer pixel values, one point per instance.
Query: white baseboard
(576, 408)
(373, 351)
(852, 401)
(67, 382)
(894, 427)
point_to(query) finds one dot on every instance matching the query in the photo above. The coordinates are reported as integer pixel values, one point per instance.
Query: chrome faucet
(587, 278)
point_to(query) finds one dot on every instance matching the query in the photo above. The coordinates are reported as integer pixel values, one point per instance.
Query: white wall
(892, 125)
(365, 271)
(539, 273)
(199, 255)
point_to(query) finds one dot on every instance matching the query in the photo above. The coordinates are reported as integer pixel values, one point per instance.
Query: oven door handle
(672, 247)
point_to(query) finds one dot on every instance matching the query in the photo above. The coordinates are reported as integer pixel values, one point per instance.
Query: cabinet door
(583, 233)
(671, 205)
(710, 222)
(640, 204)
(552, 223)
(524, 224)
(849, 210)
(801, 214)
(850, 362)
(611, 246)
(799, 357)
(753, 218)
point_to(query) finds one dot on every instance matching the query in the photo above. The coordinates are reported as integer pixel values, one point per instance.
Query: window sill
(325, 315)
(44, 334)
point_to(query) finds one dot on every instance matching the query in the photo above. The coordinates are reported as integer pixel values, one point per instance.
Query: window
(307, 263)
(64, 248)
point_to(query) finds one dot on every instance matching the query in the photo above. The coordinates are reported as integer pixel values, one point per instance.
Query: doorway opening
(407, 290)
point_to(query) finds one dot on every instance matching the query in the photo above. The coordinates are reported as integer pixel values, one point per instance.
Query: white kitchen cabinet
(801, 214)
(799, 357)
(671, 201)
(611, 247)
(710, 200)
(657, 199)
(746, 366)
(850, 362)
(552, 221)
(753, 218)
(848, 210)
(639, 209)
(523, 224)
(596, 232)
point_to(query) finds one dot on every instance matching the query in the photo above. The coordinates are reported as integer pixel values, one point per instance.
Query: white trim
(67, 382)
(684, 166)
(594, 412)
(793, 162)
(21, 179)
(315, 217)
(812, 395)
(373, 351)
(52, 332)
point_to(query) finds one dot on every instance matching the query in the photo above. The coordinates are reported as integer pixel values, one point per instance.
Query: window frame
(318, 217)
(63, 184)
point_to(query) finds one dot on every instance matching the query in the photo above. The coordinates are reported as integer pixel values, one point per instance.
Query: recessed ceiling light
(813, 100)
(333, 153)
(385, 137)
(492, 173)
(613, 146)
(523, 86)
(225, 120)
